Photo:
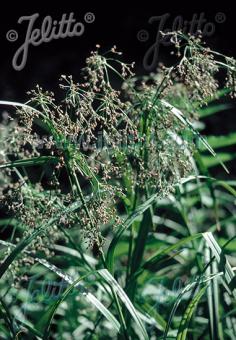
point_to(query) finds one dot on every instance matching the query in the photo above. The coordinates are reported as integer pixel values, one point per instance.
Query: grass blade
(222, 261)
(30, 162)
(140, 210)
(124, 298)
(184, 324)
(212, 295)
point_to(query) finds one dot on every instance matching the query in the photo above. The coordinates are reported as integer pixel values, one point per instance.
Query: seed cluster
(231, 76)
(131, 142)
(198, 73)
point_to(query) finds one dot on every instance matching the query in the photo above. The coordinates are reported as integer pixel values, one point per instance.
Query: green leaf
(140, 243)
(16, 104)
(222, 261)
(154, 259)
(212, 294)
(124, 298)
(151, 313)
(46, 320)
(74, 284)
(140, 210)
(217, 142)
(210, 161)
(190, 287)
(213, 109)
(184, 324)
(30, 162)
(30, 328)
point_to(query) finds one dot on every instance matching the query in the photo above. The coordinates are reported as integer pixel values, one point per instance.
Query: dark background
(116, 23)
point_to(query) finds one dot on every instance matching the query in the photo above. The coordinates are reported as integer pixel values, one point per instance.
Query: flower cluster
(231, 76)
(136, 142)
(198, 73)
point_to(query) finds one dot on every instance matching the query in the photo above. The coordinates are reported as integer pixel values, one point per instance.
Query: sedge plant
(114, 225)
